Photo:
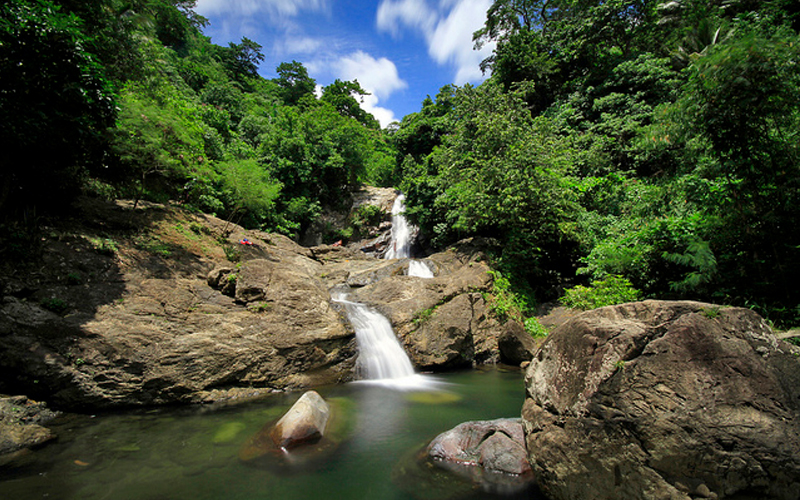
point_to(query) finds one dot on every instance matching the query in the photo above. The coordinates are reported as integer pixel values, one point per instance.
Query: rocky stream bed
(156, 306)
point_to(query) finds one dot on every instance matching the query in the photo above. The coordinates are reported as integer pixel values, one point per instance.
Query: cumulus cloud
(447, 29)
(282, 8)
(379, 77)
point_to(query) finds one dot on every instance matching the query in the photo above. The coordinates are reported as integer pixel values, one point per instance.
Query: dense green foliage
(128, 98)
(636, 146)
(608, 291)
(653, 141)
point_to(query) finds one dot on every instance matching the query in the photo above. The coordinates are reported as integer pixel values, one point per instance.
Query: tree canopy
(647, 144)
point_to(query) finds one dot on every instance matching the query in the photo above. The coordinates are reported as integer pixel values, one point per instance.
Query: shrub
(611, 290)
(535, 329)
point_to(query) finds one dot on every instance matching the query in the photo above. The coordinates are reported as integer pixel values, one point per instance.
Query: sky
(400, 51)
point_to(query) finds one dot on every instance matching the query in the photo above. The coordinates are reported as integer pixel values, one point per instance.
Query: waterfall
(381, 358)
(400, 246)
(419, 269)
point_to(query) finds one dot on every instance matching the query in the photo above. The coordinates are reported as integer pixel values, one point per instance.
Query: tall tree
(294, 80)
(345, 97)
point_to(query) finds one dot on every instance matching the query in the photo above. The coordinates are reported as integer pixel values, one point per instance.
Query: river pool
(194, 453)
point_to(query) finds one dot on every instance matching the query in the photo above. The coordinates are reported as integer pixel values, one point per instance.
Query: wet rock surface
(495, 445)
(445, 322)
(664, 400)
(476, 459)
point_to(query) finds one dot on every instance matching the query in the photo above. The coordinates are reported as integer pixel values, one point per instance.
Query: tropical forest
(185, 244)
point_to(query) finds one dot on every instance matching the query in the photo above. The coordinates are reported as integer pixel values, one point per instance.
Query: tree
(741, 104)
(250, 192)
(500, 174)
(55, 105)
(294, 80)
(345, 97)
(242, 59)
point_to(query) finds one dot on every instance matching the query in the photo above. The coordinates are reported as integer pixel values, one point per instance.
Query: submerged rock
(495, 445)
(483, 456)
(672, 400)
(309, 432)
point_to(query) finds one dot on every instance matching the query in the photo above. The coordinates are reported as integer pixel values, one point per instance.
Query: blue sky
(399, 50)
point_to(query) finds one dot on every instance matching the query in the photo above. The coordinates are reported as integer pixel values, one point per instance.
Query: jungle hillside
(619, 150)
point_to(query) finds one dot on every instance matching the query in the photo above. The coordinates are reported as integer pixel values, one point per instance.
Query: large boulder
(671, 400)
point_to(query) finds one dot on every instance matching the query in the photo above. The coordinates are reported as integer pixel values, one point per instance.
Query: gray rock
(496, 445)
(490, 453)
(22, 425)
(305, 422)
(664, 400)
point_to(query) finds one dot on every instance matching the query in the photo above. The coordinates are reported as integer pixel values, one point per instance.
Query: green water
(193, 453)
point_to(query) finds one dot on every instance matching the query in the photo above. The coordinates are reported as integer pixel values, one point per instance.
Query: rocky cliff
(124, 307)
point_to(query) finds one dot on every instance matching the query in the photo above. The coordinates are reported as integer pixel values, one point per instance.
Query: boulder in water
(496, 445)
(468, 461)
(305, 422)
(671, 400)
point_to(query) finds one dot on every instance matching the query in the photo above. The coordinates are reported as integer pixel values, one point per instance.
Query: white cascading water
(380, 354)
(400, 245)
(419, 269)
(381, 358)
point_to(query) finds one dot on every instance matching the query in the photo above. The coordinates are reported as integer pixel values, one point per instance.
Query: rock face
(445, 322)
(21, 425)
(166, 316)
(161, 306)
(304, 422)
(669, 400)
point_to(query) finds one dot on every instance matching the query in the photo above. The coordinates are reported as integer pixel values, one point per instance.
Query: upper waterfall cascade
(400, 246)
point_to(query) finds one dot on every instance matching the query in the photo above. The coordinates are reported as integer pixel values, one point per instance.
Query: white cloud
(379, 77)
(447, 30)
(298, 45)
(451, 42)
(384, 116)
(414, 14)
(281, 8)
